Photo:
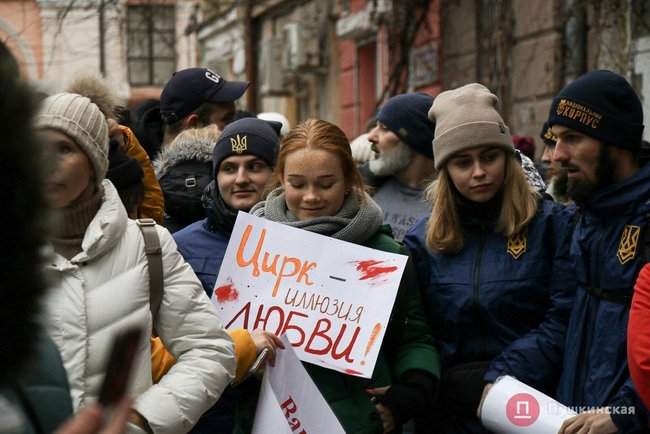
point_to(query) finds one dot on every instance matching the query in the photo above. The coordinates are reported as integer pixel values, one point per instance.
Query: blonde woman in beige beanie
(492, 258)
(100, 283)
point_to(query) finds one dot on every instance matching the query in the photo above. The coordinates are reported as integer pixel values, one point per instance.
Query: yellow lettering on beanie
(577, 112)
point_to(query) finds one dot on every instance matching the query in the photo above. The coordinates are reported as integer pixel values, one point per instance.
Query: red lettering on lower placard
(289, 407)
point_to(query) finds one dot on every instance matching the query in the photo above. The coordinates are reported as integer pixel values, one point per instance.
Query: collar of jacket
(221, 217)
(104, 231)
(483, 215)
(172, 155)
(622, 197)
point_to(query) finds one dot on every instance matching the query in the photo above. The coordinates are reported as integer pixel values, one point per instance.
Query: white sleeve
(190, 329)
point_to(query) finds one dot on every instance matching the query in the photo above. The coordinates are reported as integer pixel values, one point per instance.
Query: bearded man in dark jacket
(598, 122)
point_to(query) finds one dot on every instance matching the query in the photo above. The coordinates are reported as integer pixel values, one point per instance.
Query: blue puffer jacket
(487, 297)
(607, 250)
(203, 249)
(203, 245)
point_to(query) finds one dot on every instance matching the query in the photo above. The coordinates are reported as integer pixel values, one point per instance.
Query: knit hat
(466, 117)
(601, 105)
(406, 116)
(277, 117)
(245, 137)
(79, 118)
(123, 171)
(547, 135)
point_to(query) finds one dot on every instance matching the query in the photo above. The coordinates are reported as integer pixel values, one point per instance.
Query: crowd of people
(120, 218)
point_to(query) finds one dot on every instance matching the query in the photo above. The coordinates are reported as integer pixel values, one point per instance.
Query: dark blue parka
(607, 250)
(204, 250)
(203, 245)
(496, 292)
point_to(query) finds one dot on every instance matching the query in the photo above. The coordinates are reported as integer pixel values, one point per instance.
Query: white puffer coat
(105, 288)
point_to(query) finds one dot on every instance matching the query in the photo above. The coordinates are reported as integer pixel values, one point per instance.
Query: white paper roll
(512, 407)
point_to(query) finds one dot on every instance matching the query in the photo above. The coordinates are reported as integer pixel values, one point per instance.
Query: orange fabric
(638, 336)
(245, 353)
(153, 205)
(161, 360)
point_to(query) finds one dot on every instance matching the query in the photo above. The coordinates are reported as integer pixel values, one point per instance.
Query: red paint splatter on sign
(370, 269)
(226, 293)
(353, 372)
(373, 337)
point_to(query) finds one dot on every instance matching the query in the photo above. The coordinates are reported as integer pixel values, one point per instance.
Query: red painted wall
(359, 81)
(367, 84)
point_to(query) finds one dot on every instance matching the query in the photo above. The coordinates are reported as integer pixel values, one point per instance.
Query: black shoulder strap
(154, 261)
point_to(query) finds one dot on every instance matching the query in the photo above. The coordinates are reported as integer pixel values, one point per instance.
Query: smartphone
(119, 366)
(261, 358)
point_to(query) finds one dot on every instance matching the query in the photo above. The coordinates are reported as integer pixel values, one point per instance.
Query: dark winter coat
(183, 171)
(494, 295)
(607, 254)
(203, 245)
(204, 250)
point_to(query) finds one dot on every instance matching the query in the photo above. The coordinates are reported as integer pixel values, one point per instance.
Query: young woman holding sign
(320, 190)
(492, 259)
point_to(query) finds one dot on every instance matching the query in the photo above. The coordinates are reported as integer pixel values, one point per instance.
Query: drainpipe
(102, 39)
(251, 64)
(575, 41)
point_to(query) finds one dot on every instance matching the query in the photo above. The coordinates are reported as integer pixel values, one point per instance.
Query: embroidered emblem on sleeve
(628, 244)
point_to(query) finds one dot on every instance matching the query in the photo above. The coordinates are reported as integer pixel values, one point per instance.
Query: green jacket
(407, 345)
(42, 394)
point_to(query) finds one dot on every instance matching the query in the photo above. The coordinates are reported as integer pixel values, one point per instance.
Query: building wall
(539, 52)
(20, 29)
(515, 47)
(532, 66)
(536, 65)
(366, 61)
(54, 42)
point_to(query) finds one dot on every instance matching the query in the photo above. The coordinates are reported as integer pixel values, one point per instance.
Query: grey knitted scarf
(356, 221)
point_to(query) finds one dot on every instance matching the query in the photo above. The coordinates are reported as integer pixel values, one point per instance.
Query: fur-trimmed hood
(176, 153)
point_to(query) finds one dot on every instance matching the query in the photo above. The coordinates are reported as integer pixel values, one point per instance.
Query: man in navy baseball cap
(196, 97)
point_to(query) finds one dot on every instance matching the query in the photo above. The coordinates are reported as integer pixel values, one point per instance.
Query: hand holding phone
(259, 361)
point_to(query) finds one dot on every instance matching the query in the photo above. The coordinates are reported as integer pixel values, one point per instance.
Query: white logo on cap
(212, 76)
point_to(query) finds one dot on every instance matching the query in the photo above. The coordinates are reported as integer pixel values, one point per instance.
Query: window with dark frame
(151, 49)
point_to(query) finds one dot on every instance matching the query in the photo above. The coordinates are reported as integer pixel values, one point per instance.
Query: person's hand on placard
(263, 339)
(591, 422)
(486, 389)
(90, 420)
(384, 412)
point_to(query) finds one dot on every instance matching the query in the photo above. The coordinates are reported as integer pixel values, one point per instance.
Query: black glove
(413, 396)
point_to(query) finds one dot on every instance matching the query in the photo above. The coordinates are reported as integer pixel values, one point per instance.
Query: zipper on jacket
(476, 273)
